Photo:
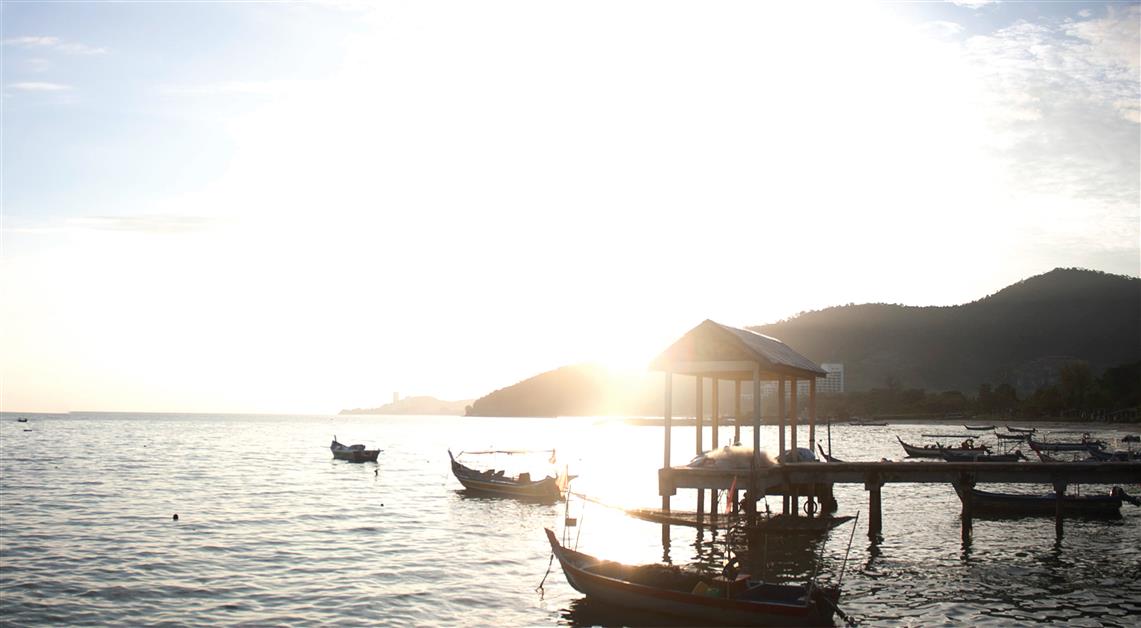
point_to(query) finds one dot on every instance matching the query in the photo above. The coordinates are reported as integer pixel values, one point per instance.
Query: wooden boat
(495, 483)
(733, 599)
(779, 524)
(21, 420)
(936, 450)
(1111, 456)
(1015, 504)
(353, 453)
(868, 423)
(955, 456)
(1085, 444)
(825, 456)
(1018, 437)
(979, 428)
(1025, 430)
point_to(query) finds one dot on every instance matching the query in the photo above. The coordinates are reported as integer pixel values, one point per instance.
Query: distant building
(834, 383)
(395, 397)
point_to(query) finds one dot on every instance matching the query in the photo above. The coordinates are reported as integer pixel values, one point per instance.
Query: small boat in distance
(1019, 436)
(496, 483)
(1017, 505)
(731, 598)
(353, 453)
(979, 428)
(867, 423)
(1025, 430)
(21, 420)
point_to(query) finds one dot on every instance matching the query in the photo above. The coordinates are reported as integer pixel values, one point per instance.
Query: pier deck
(928, 472)
(800, 477)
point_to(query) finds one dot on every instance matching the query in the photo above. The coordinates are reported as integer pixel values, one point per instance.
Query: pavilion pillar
(668, 416)
(751, 503)
(780, 437)
(812, 415)
(736, 411)
(715, 423)
(699, 414)
(792, 428)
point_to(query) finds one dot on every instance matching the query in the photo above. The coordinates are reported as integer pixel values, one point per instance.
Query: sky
(303, 207)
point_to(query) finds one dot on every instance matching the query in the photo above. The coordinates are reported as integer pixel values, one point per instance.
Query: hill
(415, 405)
(1021, 336)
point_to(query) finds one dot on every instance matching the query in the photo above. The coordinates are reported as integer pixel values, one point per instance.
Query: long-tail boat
(732, 598)
(1085, 444)
(985, 503)
(1026, 430)
(979, 428)
(958, 456)
(936, 450)
(492, 482)
(827, 458)
(353, 453)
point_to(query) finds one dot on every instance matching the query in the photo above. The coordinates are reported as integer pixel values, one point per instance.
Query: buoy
(175, 517)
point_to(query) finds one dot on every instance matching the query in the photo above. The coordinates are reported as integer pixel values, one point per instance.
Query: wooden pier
(873, 475)
(721, 353)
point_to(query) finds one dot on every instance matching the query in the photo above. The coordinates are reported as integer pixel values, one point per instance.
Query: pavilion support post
(715, 420)
(736, 411)
(668, 416)
(715, 426)
(872, 485)
(699, 415)
(812, 415)
(751, 502)
(780, 438)
(794, 497)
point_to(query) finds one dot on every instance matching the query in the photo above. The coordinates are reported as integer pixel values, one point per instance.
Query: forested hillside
(1019, 338)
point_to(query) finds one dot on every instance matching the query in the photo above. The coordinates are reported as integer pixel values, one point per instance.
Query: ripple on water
(280, 533)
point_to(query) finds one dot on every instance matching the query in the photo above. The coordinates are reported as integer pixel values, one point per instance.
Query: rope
(540, 587)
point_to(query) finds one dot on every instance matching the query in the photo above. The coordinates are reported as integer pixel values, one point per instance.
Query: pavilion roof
(715, 350)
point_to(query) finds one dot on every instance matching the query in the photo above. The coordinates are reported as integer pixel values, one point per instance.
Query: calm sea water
(271, 530)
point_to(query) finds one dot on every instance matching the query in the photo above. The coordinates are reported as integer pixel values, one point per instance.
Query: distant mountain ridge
(1020, 335)
(416, 405)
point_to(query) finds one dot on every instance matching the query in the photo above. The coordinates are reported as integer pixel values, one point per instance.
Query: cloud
(39, 87)
(149, 224)
(53, 43)
(228, 88)
(1062, 102)
(972, 4)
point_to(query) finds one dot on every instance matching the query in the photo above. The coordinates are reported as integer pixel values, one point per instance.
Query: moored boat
(826, 457)
(958, 456)
(1025, 430)
(1017, 504)
(936, 450)
(353, 453)
(733, 599)
(1085, 444)
(1018, 436)
(497, 483)
(979, 428)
